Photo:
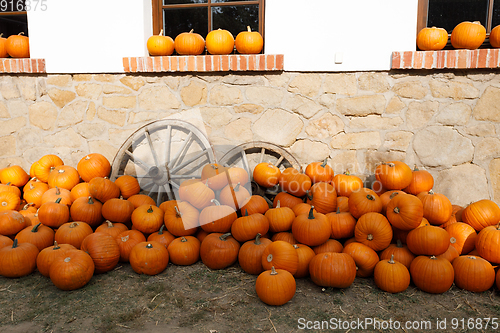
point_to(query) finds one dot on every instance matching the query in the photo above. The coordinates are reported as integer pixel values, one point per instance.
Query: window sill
(22, 65)
(452, 59)
(204, 63)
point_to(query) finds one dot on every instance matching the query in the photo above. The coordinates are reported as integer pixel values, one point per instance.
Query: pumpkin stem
(370, 197)
(14, 245)
(58, 200)
(56, 246)
(431, 191)
(398, 243)
(415, 168)
(391, 261)
(433, 257)
(150, 209)
(249, 29)
(21, 33)
(223, 237)
(347, 172)
(269, 257)
(324, 162)
(393, 195)
(257, 239)
(35, 228)
(160, 232)
(110, 224)
(67, 259)
(278, 205)
(58, 191)
(273, 271)
(191, 31)
(126, 238)
(391, 165)
(178, 214)
(246, 212)
(74, 225)
(161, 32)
(215, 202)
(369, 237)
(237, 187)
(338, 210)
(311, 213)
(308, 195)
(149, 246)
(453, 240)
(183, 239)
(91, 202)
(396, 210)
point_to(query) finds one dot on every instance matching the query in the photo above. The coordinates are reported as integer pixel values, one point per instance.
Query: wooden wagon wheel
(249, 154)
(161, 155)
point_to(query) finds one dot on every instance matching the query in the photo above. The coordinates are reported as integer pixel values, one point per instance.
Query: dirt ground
(197, 299)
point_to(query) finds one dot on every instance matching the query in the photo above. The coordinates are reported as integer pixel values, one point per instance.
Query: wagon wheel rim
(261, 151)
(162, 154)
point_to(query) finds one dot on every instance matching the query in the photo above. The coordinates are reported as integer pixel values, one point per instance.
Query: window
(13, 18)
(177, 16)
(448, 13)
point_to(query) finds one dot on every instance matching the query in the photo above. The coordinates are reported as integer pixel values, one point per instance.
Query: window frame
(423, 11)
(158, 11)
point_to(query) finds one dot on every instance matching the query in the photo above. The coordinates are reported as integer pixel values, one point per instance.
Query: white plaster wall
(90, 36)
(361, 32)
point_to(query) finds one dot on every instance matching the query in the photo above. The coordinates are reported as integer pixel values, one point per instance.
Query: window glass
(182, 2)
(235, 18)
(181, 20)
(448, 13)
(13, 25)
(496, 14)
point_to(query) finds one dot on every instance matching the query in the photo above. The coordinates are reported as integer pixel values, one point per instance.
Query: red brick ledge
(205, 63)
(22, 65)
(457, 59)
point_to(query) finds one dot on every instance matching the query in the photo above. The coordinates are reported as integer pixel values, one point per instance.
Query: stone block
(157, 98)
(410, 89)
(119, 102)
(72, 114)
(375, 82)
(278, 126)
(454, 114)
(307, 84)
(89, 90)
(488, 106)
(61, 97)
(268, 96)
(360, 140)
(239, 130)
(420, 113)
(361, 105)
(43, 115)
(194, 94)
(325, 126)
(453, 89)
(132, 82)
(307, 151)
(303, 106)
(114, 117)
(342, 84)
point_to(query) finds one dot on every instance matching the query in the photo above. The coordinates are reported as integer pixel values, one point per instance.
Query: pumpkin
(365, 258)
(218, 251)
(393, 175)
(428, 240)
(72, 271)
(160, 45)
(494, 38)
(346, 183)
(256, 204)
(47, 256)
(336, 270)
(63, 176)
(373, 230)
(215, 176)
(103, 249)
(280, 255)
(53, 214)
(6, 241)
(331, 245)
(34, 193)
(18, 46)
(13, 189)
(284, 236)
(432, 39)
(15, 175)
(180, 219)
(437, 207)
(235, 196)
(473, 273)
(305, 255)
(250, 255)
(201, 234)
(388, 196)
(113, 229)
(266, 174)
(319, 171)
(128, 186)
(3, 47)
(280, 218)
(286, 200)
(391, 276)
(197, 193)
(87, 210)
(11, 222)
(44, 166)
(9, 201)
(275, 286)
(405, 212)
(189, 43)
(103, 189)
(481, 214)
(147, 218)
(294, 182)
(398, 252)
(38, 235)
(450, 254)
(421, 181)
(53, 194)
(323, 197)
(364, 201)
(311, 229)
(117, 210)
(249, 42)
(247, 227)
(184, 250)
(237, 175)
(431, 274)
(302, 208)
(126, 241)
(219, 41)
(343, 204)
(18, 260)
(150, 258)
(468, 35)
(217, 218)
(487, 243)
(93, 165)
(141, 199)
(162, 236)
(462, 237)
(342, 223)
(73, 233)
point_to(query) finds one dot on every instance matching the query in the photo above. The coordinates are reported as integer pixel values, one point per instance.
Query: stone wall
(445, 122)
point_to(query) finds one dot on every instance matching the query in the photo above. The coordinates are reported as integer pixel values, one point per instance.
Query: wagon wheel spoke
(174, 161)
(137, 161)
(153, 152)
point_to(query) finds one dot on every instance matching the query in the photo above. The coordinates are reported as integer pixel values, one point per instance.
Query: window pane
(177, 21)
(12, 6)
(496, 14)
(236, 18)
(229, 0)
(13, 24)
(182, 2)
(448, 13)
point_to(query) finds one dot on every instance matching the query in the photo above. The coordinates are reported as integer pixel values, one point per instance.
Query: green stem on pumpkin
(257, 239)
(35, 228)
(311, 213)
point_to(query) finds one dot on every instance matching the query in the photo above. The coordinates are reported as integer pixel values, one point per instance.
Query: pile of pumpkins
(15, 46)
(71, 223)
(466, 35)
(217, 42)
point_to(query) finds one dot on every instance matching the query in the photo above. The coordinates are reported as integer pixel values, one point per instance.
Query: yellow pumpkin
(249, 42)
(432, 39)
(468, 35)
(189, 43)
(219, 42)
(160, 45)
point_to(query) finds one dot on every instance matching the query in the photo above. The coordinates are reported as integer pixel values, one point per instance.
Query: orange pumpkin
(160, 45)
(93, 165)
(266, 174)
(3, 47)
(219, 41)
(494, 37)
(18, 46)
(432, 39)
(468, 35)
(249, 42)
(189, 43)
